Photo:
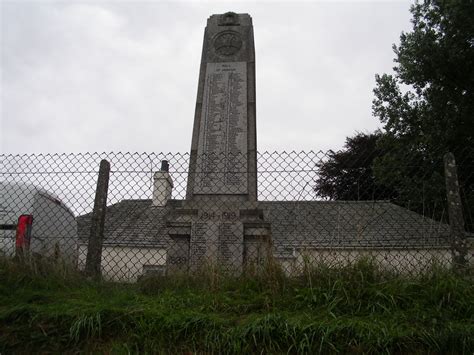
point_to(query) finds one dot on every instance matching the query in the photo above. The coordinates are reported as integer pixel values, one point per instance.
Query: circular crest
(227, 43)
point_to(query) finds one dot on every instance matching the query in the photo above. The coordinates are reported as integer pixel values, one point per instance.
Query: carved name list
(222, 148)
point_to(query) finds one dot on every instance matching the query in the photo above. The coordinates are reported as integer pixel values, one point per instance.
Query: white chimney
(162, 185)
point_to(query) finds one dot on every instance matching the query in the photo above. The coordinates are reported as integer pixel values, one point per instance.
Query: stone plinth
(227, 236)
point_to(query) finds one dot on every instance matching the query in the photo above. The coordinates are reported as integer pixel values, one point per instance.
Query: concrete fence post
(94, 248)
(456, 219)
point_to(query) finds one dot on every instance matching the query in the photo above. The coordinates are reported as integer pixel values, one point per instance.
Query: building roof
(129, 222)
(350, 224)
(294, 224)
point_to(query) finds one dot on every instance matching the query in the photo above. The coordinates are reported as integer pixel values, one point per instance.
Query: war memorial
(221, 223)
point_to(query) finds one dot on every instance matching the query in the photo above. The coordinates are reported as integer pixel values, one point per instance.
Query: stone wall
(125, 263)
(401, 261)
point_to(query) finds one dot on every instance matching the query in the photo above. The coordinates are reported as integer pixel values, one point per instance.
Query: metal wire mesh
(305, 214)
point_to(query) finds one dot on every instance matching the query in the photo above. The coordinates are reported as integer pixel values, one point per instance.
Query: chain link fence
(311, 208)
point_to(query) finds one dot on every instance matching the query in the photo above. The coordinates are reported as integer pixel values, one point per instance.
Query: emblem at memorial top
(227, 43)
(229, 19)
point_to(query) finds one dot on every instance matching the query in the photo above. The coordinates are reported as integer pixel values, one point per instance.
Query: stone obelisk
(219, 219)
(223, 149)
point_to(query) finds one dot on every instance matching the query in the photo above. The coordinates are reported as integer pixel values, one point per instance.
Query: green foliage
(348, 174)
(427, 105)
(354, 309)
(416, 176)
(426, 109)
(436, 62)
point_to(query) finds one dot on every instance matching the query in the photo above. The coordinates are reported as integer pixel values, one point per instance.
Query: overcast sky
(122, 76)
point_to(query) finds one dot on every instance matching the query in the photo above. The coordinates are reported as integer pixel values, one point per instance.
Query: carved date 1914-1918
(218, 216)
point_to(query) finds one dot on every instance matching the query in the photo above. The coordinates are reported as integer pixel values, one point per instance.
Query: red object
(23, 231)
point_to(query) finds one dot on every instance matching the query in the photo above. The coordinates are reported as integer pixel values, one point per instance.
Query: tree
(436, 61)
(427, 109)
(427, 106)
(348, 174)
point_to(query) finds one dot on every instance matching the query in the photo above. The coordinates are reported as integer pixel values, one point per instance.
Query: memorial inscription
(222, 147)
(198, 241)
(218, 216)
(230, 244)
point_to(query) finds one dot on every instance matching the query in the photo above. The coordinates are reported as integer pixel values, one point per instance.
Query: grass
(356, 309)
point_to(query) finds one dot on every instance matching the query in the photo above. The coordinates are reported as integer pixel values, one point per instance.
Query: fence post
(456, 220)
(94, 248)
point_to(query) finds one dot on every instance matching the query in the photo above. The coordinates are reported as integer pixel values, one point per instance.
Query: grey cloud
(106, 76)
